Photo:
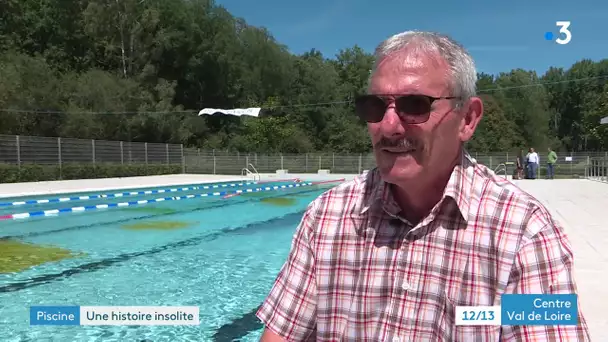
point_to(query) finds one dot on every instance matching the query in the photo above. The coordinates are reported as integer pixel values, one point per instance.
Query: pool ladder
(501, 167)
(246, 172)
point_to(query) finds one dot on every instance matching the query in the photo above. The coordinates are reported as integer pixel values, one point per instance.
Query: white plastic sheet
(236, 111)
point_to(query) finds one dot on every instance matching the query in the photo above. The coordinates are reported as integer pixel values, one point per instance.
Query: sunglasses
(413, 109)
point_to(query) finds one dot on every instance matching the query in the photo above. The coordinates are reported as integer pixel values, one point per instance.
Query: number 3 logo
(563, 28)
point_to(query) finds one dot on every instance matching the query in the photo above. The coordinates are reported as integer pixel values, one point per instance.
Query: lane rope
(134, 193)
(54, 212)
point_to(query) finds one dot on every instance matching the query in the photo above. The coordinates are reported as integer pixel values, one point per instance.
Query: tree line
(160, 61)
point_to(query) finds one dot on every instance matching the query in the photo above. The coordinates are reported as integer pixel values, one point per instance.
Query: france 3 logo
(564, 35)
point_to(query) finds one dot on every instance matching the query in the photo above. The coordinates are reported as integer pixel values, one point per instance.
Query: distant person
(533, 163)
(521, 164)
(387, 256)
(551, 160)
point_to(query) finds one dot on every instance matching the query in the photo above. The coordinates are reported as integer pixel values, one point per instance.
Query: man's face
(434, 144)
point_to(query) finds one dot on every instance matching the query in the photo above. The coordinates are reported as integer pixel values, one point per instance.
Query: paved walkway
(582, 206)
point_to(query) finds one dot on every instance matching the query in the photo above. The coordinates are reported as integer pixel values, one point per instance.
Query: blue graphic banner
(54, 315)
(539, 309)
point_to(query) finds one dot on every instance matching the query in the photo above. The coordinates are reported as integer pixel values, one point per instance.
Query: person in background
(521, 164)
(533, 163)
(551, 160)
(388, 255)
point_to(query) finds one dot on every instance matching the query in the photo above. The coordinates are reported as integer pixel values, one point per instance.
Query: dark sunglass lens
(370, 108)
(413, 105)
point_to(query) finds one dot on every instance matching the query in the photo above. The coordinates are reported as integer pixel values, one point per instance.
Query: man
(551, 160)
(389, 255)
(533, 163)
(520, 164)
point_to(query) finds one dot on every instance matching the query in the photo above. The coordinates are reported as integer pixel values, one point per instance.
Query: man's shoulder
(507, 202)
(348, 190)
(345, 197)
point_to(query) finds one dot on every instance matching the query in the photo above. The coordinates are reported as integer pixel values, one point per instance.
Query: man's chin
(400, 171)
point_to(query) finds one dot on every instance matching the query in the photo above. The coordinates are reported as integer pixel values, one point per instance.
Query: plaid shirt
(357, 271)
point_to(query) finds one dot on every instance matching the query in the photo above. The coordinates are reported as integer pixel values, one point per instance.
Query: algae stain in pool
(158, 225)
(151, 210)
(16, 256)
(280, 201)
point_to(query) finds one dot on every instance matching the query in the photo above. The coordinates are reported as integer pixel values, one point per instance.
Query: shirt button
(396, 339)
(406, 286)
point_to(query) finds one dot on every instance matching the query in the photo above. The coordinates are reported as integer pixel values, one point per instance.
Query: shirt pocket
(477, 333)
(468, 333)
(436, 315)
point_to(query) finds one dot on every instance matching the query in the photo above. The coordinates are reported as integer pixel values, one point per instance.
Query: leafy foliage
(174, 55)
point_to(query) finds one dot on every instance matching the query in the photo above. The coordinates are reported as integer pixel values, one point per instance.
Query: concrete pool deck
(107, 184)
(580, 205)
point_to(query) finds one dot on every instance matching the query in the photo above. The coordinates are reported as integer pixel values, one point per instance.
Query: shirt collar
(379, 195)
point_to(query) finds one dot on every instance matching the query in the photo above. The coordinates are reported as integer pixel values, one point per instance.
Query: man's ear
(473, 112)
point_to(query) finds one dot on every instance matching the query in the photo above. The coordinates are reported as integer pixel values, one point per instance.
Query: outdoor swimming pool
(220, 254)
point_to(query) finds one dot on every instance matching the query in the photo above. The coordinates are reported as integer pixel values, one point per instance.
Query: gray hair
(462, 75)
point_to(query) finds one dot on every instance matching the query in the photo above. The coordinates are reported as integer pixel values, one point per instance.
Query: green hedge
(10, 173)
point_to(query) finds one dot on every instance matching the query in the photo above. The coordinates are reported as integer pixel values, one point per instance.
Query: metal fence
(598, 169)
(20, 150)
(569, 165)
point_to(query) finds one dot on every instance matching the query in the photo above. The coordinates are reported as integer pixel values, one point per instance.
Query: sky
(500, 34)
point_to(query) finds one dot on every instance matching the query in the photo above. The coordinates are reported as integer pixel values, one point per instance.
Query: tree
(174, 57)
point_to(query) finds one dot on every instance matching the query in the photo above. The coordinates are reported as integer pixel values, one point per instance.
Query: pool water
(220, 254)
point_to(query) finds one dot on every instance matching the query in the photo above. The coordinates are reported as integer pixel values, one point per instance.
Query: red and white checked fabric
(357, 271)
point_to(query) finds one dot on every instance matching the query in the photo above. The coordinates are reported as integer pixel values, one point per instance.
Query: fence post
(18, 145)
(320, 164)
(167, 150)
(122, 154)
(59, 156)
(214, 163)
(282, 163)
(333, 162)
(247, 161)
(360, 163)
(306, 165)
(93, 150)
(181, 146)
(146, 155)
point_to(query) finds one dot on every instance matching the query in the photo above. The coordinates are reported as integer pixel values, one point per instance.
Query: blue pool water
(224, 262)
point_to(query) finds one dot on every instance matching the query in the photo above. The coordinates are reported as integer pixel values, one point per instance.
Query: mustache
(404, 143)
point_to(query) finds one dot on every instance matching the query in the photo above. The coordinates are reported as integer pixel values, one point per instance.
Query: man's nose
(391, 124)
